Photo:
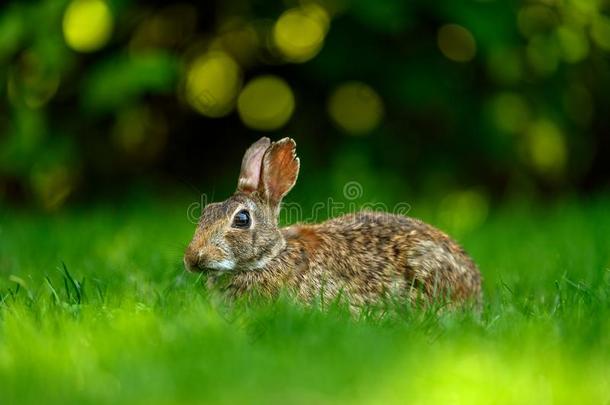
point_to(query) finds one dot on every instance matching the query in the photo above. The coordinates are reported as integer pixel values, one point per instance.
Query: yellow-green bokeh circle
(212, 83)
(299, 33)
(355, 107)
(87, 25)
(266, 103)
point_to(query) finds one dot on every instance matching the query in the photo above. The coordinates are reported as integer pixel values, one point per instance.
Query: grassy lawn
(122, 322)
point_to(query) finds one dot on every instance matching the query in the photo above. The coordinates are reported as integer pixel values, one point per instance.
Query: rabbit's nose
(191, 260)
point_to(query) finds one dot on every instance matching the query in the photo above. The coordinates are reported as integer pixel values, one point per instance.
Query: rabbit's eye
(242, 219)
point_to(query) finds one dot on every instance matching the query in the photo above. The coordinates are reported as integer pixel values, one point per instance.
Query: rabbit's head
(242, 232)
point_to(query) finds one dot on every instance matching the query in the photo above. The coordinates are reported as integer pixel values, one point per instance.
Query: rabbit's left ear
(249, 176)
(279, 171)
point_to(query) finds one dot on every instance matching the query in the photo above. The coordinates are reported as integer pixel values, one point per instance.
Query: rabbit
(363, 257)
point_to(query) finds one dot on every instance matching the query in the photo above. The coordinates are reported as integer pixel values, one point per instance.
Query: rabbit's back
(368, 254)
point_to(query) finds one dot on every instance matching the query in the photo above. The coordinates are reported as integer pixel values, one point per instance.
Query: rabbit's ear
(280, 170)
(249, 176)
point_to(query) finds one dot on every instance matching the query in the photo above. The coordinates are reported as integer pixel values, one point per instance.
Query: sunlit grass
(95, 308)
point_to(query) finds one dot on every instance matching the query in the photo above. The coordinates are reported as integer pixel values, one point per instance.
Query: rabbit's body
(362, 257)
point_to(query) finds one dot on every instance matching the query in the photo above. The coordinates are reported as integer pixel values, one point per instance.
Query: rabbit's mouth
(220, 265)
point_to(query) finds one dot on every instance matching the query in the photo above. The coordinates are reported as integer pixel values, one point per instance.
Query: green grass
(122, 323)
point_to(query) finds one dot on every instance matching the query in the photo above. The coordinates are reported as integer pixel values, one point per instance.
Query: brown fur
(363, 257)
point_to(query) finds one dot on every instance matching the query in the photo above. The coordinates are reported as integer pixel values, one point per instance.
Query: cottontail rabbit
(363, 257)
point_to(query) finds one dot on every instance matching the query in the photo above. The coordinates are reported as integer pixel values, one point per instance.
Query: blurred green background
(465, 101)
(489, 118)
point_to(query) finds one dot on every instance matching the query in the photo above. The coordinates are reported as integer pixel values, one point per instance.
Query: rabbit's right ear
(250, 173)
(280, 170)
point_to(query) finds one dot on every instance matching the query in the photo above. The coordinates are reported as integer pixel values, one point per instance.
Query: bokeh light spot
(573, 43)
(30, 82)
(582, 11)
(87, 25)
(52, 185)
(510, 112)
(465, 210)
(170, 27)
(543, 54)
(600, 32)
(266, 103)
(299, 32)
(536, 19)
(355, 107)
(212, 83)
(140, 133)
(456, 43)
(546, 148)
(240, 39)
